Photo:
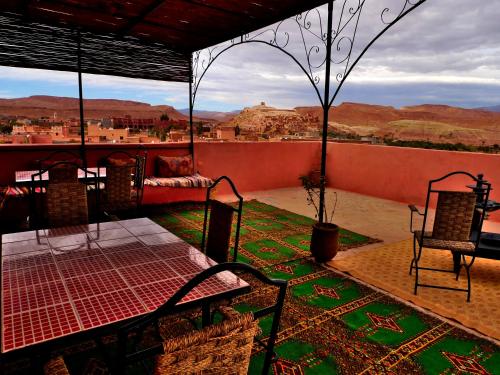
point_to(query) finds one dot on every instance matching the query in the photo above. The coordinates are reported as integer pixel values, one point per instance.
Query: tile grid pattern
(68, 280)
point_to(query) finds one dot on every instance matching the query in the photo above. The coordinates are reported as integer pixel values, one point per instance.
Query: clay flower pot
(324, 241)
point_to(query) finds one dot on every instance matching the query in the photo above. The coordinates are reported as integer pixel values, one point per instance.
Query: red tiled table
(23, 177)
(70, 280)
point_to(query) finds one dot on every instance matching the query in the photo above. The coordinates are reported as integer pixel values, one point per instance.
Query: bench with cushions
(175, 180)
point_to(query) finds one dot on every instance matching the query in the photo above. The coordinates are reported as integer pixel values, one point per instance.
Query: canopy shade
(150, 39)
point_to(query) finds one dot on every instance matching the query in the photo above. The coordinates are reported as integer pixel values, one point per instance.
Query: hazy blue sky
(445, 52)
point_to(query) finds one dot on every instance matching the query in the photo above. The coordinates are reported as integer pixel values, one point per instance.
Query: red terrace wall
(394, 173)
(402, 174)
(258, 166)
(252, 166)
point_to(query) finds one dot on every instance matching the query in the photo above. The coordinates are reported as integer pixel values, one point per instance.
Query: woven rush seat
(222, 348)
(435, 243)
(193, 181)
(56, 366)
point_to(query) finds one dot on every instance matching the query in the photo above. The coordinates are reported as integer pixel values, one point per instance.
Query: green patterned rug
(331, 324)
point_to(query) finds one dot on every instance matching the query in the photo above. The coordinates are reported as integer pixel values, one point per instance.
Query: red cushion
(177, 166)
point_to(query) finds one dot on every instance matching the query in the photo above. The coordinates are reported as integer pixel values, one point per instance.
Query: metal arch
(402, 14)
(234, 44)
(335, 37)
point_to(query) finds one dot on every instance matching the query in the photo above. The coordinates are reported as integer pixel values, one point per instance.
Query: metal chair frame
(170, 306)
(139, 170)
(238, 210)
(70, 156)
(481, 202)
(90, 179)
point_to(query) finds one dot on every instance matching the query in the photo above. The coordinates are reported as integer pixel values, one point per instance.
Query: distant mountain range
(435, 123)
(211, 115)
(65, 108)
(495, 108)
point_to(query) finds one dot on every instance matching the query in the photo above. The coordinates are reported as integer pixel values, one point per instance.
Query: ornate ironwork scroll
(304, 39)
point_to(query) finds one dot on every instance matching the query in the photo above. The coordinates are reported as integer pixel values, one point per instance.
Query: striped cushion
(194, 181)
(13, 191)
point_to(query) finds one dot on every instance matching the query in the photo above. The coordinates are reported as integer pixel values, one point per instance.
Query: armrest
(413, 209)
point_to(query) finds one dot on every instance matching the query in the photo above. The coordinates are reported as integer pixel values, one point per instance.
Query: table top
(68, 280)
(25, 176)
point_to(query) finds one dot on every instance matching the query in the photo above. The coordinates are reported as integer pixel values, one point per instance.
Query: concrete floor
(378, 218)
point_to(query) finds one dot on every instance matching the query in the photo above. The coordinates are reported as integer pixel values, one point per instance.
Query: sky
(444, 52)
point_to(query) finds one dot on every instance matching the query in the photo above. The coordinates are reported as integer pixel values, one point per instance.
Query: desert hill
(495, 108)
(263, 119)
(434, 123)
(211, 115)
(65, 108)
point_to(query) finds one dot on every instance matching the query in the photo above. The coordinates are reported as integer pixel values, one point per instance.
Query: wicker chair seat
(223, 348)
(466, 247)
(56, 366)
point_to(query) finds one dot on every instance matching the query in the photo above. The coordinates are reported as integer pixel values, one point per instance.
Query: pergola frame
(125, 33)
(344, 33)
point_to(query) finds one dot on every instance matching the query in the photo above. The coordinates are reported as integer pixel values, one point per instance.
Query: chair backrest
(216, 242)
(124, 173)
(453, 218)
(64, 203)
(459, 214)
(67, 204)
(63, 174)
(219, 231)
(118, 183)
(169, 307)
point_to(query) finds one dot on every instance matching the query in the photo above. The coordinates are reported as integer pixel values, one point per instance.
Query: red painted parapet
(258, 165)
(402, 174)
(394, 173)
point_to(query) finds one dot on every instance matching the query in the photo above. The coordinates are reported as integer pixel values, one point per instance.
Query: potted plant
(325, 235)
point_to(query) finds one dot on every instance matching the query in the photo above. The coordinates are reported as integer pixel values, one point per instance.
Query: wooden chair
(216, 242)
(124, 183)
(453, 228)
(56, 204)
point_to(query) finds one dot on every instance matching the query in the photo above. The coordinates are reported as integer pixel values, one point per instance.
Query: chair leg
(414, 253)
(467, 271)
(458, 268)
(416, 270)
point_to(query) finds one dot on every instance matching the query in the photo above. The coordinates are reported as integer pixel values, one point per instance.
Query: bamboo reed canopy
(151, 39)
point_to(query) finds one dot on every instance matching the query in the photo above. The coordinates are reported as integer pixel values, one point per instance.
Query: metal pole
(80, 96)
(326, 108)
(191, 145)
